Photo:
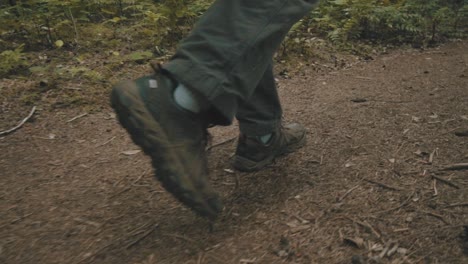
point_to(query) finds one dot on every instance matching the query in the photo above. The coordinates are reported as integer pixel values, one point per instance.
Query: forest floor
(370, 186)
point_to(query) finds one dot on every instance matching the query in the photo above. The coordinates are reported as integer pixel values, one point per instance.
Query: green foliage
(142, 29)
(394, 21)
(41, 23)
(11, 60)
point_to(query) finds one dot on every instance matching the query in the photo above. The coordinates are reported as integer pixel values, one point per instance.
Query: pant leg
(231, 47)
(261, 113)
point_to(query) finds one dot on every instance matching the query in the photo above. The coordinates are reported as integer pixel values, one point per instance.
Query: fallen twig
(184, 238)
(15, 220)
(139, 178)
(97, 252)
(448, 132)
(120, 241)
(363, 78)
(347, 193)
(458, 166)
(105, 143)
(120, 192)
(431, 156)
(366, 225)
(88, 222)
(6, 132)
(383, 185)
(221, 143)
(457, 205)
(441, 218)
(446, 181)
(397, 207)
(76, 117)
(143, 236)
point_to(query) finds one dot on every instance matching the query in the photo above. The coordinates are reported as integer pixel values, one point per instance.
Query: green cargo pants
(228, 59)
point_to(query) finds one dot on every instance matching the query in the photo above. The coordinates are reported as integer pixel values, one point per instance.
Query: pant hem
(258, 128)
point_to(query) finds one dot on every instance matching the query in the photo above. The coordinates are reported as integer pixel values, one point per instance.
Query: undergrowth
(88, 41)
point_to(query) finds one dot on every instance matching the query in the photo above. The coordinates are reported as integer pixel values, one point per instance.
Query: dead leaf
(421, 153)
(228, 170)
(392, 160)
(131, 152)
(293, 224)
(355, 242)
(300, 228)
(402, 251)
(248, 260)
(282, 253)
(376, 247)
(58, 43)
(392, 250)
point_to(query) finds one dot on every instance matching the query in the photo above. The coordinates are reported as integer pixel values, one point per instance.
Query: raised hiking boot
(252, 154)
(174, 138)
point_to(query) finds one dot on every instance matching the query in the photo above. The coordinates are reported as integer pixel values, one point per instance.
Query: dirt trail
(367, 188)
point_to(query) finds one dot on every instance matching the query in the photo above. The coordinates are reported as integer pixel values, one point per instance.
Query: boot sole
(247, 165)
(147, 133)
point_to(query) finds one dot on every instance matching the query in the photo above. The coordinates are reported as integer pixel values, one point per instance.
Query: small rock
(359, 100)
(358, 259)
(461, 133)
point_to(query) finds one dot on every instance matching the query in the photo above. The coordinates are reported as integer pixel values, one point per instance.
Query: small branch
(88, 222)
(20, 218)
(139, 178)
(446, 181)
(441, 218)
(398, 207)
(76, 117)
(458, 166)
(143, 236)
(221, 143)
(431, 156)
(74, 25)
(347, 193)
(105, 143)
(383, 185)
(6, 132)
(448, 132)
(367, 226)
(457, 205)
(184, 238)
(363, 78)
(120, 192)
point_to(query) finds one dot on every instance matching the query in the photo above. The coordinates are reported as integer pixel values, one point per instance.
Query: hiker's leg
(263, 137)
(220, 63)
(231, 48)
(261, 113)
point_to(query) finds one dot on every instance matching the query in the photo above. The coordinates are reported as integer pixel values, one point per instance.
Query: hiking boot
(252, 154)
(173, 137)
